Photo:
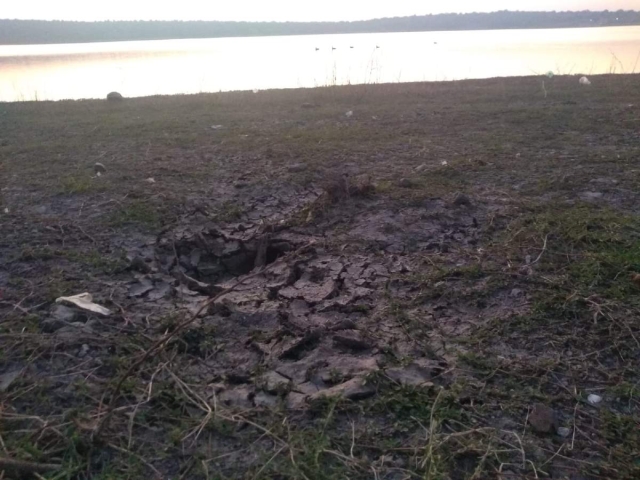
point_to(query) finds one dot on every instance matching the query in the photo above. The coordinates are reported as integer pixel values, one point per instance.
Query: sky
(279, 10)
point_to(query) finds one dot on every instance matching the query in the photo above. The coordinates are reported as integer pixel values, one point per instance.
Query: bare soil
(440, 285)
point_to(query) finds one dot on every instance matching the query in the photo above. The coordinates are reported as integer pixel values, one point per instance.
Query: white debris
(255, 90)
(444, 163)
(594, 399)
(99, 168)
(85, 301)
(216, 127)
(150, 180)
(585, 81)
(349, 114)
(564, 432)
(6, 210)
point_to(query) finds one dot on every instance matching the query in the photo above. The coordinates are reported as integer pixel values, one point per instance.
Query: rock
(516, 292)
(115, 97)
(295, 350)
(584, 81)
(413, 375)
(265, 400)
(349, 114)
(351, 340)
(237, 397)
(354, 389)
(591, 195)
(99, 169)
(594, 399)
(273, 382)
(296, 401)
(405, 183)
(461, 200)
(297, 167)
(63, 313)
(141, 288)
(420, 168)
(564, 432)
(542, 418)
(83, 351)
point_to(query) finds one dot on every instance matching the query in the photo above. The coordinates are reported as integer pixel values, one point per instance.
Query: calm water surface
(55, 72)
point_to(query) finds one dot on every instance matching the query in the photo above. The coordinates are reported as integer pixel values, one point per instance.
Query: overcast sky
(278, 10)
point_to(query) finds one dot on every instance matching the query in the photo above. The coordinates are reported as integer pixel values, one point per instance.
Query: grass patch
(136, 212)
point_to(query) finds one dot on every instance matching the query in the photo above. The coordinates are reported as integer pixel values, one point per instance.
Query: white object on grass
(6, 210)
(85, 301)
(150, 180)
(216, 127)
(349, 113)
(585, 81)
(444, 163)
(594, 399)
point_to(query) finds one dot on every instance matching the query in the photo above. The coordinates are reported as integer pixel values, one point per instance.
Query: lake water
(55, 72)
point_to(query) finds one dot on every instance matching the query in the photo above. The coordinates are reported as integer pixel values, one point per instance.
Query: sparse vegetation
(444, 321)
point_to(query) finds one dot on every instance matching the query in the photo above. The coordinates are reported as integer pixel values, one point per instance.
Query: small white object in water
(594, 399)
(349, 113)
(585, 81)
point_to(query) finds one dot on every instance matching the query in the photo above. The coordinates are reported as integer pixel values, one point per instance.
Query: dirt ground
(381, 282)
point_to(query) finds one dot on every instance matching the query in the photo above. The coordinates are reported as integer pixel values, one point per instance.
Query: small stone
(63, 313)
(150, 180)
(461, 199)
(564, 432)
(420, 168)
(273, 382)
(542, 418)
(412, 375)
(354, 389)
(115, 97)
(405, 183)
(591, 195)
(141, 288)
(594, 399)
(297, 167)
(99, 168)
(349, 114)
(296, 401)
(238, 397)
(265, 400)
(83, 351)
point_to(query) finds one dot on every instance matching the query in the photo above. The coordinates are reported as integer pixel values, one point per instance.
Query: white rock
(594, 399)
(564, 432)
(349, 113)
(6, 210)
(150, 180)
(585, 81)
(444, 163)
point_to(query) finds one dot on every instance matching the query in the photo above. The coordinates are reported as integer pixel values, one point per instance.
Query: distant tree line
(17, 32)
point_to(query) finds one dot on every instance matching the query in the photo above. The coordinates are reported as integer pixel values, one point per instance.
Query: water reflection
(54, 72)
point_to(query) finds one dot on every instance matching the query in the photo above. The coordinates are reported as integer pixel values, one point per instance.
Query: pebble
(564, 432)
(542, 418)
(594, 399)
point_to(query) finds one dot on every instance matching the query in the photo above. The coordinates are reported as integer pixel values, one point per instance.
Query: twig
(26, 467)
(544, 247)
